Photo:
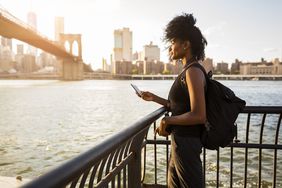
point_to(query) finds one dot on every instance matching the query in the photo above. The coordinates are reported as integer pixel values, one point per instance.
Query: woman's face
(177, 49)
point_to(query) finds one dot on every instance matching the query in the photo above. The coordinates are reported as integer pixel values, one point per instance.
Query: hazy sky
(243, 29)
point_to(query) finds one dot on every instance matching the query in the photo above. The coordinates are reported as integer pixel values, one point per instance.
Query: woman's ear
(186, 44)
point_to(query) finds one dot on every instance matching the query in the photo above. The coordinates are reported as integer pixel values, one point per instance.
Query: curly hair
(183, 28)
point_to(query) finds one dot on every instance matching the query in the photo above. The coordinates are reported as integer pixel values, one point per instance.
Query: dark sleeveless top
(179, 104)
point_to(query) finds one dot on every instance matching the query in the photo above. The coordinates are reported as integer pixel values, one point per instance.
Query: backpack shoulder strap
(207, 76)
(200, 67)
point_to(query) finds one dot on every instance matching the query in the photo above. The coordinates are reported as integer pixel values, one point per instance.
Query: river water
(44, 123)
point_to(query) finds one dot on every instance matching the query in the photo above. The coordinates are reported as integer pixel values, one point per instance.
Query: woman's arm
(195, 80)
(148, 96)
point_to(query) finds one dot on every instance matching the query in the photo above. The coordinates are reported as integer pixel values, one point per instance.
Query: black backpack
(222, 110)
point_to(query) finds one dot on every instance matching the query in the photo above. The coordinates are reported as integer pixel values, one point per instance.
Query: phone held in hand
(136, 89)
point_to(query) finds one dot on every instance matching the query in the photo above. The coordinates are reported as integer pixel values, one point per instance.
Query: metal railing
(116, 162)
(136, 157)
(253, 160)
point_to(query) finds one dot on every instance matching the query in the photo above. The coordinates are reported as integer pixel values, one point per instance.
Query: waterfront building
(28, 64)
(123, 67)
(43, 60)
(135, 68)
(208, 64)
(122, 52)
(5, 60)
(19, 57)
(123, 45)
(50, 62)
(20, 49)
(256, 68)
(177, 66)
(235, 67)
(173, 67)
(222, 68)
(150, 52)
(262, 68)
(153, 67)
(105, 66)
(6, 55)
(32, 22)
(5, 42)
(19, 62)
(151, 59)
(168, 68)
(139, 66)
(277, 66)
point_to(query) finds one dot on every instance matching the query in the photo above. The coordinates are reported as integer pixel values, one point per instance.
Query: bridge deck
(12, 27)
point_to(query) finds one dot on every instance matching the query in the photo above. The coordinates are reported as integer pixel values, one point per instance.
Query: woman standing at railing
(186, 101)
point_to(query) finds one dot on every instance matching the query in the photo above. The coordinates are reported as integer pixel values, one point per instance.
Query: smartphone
(136, 89)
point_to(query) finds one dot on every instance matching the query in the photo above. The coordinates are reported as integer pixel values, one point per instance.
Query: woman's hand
(147, 96)
(161, 130)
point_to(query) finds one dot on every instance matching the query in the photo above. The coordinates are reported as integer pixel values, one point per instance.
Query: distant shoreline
(107, 76)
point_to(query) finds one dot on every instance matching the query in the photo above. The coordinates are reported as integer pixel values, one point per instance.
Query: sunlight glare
(107, 5)
(67, 46)
(75, 51)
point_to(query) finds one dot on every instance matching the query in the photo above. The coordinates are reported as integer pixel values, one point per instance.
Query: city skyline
(244, 30)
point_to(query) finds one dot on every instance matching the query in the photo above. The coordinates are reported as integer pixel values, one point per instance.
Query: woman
(186, 102)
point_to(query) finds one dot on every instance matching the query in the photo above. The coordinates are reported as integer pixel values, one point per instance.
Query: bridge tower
(72, 68)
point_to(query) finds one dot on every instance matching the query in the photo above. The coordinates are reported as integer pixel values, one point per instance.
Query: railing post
(134, 171)
(134, 167)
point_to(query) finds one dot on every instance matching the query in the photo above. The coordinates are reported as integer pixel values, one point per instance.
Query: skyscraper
(19, 57)
(59, 27)
(123, 45)
(6, 54)
(122, 56)
(20, 49)
(5, 42)
(31, 19)
(32, 22)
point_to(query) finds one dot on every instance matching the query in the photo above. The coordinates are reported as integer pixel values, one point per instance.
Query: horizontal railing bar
(257, 146)
(161, 142)
(237, 145)
(263, 109)
(105, 180)
(154, 186)
(65, 173)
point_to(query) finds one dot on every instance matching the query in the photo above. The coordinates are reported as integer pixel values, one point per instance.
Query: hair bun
(190, 19)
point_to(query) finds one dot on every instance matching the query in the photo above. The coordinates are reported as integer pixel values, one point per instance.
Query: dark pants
(185, 166)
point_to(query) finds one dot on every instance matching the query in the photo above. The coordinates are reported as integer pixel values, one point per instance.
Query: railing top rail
(262, 109)
(67, 172)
